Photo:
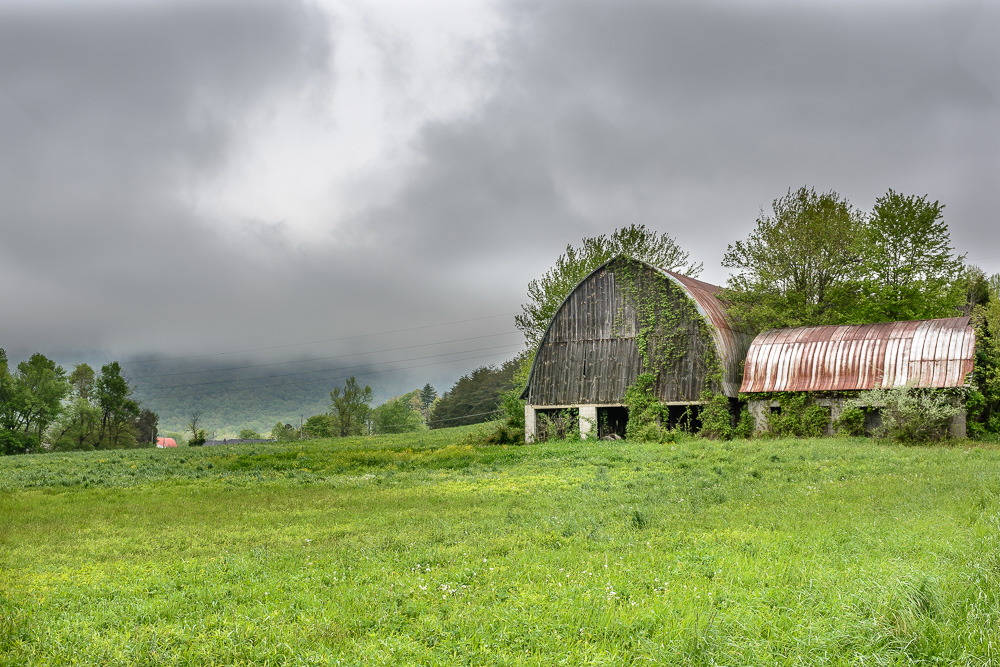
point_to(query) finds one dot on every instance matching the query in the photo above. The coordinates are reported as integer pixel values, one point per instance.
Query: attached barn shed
(835, 361)
(626, 318)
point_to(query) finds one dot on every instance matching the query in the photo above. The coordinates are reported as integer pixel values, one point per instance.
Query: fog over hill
(256, 389)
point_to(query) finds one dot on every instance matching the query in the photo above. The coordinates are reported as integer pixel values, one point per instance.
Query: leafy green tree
(249, 434)
(909, 268)
(799, 265)
(319, 426)
(284, 432)
(396, 416)
(14, 402)
(46, 386)
(476, 397)
(82, 380)
(350, 407)
(984, 400)
(79, 428)
(118, 410)
(547, 293)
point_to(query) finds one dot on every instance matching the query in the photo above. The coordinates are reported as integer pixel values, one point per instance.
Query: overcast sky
(181, 178)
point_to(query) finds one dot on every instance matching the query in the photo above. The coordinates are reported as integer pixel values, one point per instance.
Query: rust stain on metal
(930, 353)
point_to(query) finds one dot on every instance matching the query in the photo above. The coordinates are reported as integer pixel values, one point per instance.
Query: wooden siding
(589, 354)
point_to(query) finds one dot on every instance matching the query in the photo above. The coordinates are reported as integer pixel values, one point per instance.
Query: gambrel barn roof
(589, 352)
(929, 353)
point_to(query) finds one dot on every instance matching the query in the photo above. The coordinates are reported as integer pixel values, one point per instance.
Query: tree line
(42, 407)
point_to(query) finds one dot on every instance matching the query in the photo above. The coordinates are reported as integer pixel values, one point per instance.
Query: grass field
(422, 550)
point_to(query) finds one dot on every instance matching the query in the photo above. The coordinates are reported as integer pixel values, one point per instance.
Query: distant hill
(247, 393)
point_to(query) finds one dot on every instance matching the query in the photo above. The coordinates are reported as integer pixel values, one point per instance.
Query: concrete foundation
(588, 420)
(760, 410)
(529, 424)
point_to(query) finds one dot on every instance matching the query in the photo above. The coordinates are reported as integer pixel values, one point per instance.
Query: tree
(145, 426)
(350, 407)
(79, 428)
(395, 416)
(818, 260)
(798, 266)
(249, 434)
(14, 400)
(82, 381)
(118, 410)
(197, 435)
(319, 426)
(475, 397)
(44, 387)
(910, 271)
(427, 396)
(284, 432)
(984, 401)
(547, 293)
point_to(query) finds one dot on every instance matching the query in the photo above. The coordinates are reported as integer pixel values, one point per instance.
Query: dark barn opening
(556, 422)
(684, 417)
(612, 421)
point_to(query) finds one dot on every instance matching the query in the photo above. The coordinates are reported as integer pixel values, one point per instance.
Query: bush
(911, 415)
(716, 420)
(851, 421)
(798, 416)
(745, 425)
(814, 421)
(645, 412)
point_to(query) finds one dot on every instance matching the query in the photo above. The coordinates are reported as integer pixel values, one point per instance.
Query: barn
(835, 362)
(626, 318)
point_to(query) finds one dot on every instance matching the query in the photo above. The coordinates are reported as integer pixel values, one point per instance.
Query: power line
(337, 377)
(315, 342)
(325, 370)
(337, 356)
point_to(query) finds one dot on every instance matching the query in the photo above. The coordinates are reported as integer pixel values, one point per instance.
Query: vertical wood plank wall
(589, 354)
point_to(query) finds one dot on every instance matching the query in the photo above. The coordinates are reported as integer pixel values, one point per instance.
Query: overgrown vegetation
(911, 415)
(547, 293)
(415, 550)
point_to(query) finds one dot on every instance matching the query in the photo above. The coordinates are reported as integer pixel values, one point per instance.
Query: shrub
(798, 416)
(716, 420)
(745, 425)
(814, 421)
(911, 415)
(645, 412)
(851, 421)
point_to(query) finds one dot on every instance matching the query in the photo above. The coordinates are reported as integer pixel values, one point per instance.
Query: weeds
(422, 549)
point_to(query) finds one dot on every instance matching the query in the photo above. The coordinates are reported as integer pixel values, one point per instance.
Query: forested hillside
(252, 394)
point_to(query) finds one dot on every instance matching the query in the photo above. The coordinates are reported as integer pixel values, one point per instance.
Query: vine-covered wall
(624, 320)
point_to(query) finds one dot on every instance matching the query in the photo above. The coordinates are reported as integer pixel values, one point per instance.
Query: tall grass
(415, 549)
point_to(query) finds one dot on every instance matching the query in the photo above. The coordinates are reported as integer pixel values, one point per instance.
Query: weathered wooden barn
(834, 361)
(625, 318)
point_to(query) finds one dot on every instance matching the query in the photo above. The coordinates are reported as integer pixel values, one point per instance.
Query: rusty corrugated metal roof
(730, 343)
(930, 353)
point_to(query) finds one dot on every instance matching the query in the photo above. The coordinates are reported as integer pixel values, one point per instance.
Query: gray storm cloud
(685, 117)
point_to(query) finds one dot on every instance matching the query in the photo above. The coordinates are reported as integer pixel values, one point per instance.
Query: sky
(200, 179)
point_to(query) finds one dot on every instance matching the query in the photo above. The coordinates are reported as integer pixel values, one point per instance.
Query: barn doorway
(611, 421)
(555, 423)
(684, 417)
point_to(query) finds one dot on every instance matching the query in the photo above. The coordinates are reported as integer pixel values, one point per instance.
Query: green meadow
(424, 549)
